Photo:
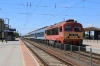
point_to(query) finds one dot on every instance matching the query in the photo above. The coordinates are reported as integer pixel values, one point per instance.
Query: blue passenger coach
(38, 34)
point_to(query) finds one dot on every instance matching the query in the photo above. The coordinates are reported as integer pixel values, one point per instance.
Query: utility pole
(5, 31)
(6, 26)
(8, 23)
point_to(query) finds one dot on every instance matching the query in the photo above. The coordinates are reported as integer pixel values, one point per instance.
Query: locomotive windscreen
(77, 28)
(68, 28)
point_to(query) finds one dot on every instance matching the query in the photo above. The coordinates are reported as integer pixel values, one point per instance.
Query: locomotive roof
(62, 23)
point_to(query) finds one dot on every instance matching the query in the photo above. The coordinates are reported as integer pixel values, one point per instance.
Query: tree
(16, 34)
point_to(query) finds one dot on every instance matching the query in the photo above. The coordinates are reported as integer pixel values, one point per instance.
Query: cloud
(67, 5)
(87, 25)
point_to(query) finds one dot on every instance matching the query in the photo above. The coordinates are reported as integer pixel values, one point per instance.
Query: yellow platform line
(22, 56)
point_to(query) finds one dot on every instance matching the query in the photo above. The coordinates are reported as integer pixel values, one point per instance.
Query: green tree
(16, 34)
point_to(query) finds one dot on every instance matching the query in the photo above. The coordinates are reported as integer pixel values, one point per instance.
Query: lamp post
(6, 29)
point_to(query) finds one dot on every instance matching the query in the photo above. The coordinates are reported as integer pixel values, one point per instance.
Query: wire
(33, 11)
(54, 9)
(12, 4)
(64, 11)
(35, 8)
(83, 9)
(92, 1)
(71, 7)
(24, 6)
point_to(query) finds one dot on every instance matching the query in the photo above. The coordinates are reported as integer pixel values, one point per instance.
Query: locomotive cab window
(77, 28)
(68, 28)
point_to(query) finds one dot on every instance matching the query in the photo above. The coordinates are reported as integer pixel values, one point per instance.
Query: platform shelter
(96, 32)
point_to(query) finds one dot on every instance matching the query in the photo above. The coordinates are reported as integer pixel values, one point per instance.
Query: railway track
(86, 56)
(46, 58)
(67, 60)
(35, 49)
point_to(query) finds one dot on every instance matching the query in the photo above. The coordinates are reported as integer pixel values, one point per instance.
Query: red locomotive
(67, 32)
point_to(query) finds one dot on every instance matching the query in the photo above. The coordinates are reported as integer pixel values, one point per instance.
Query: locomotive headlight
(79, 37)
(67, 36)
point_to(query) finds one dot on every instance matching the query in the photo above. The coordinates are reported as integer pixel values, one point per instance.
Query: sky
(29, 15)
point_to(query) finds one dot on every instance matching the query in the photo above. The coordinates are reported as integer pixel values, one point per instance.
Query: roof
(69, 21)
(38, 29)
(91, 29)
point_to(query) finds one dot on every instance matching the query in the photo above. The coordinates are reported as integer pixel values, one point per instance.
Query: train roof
(56, 24)
(38, 29)
(62, 23)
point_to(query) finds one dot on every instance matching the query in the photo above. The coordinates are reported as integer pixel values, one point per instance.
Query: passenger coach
(38, 34)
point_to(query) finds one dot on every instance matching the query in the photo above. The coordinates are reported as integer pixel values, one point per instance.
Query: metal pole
(79, 52)
(55, 44)
(90, 56)
(5, 31)
(71, 49)
(65, 48)
(52, 46)
(8, 22)
(60, 46)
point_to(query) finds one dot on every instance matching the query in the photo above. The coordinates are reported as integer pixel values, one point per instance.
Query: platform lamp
(6, 29)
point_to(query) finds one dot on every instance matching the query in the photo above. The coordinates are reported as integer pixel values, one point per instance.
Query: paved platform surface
(14, 53)
(94, 44)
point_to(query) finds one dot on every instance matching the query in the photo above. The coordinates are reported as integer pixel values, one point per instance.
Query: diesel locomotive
(66, 32)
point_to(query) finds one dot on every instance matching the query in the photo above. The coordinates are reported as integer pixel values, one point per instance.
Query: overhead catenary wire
(33, 12)
(54, 9)
(52, 15)
(35, 8)
(49, 6)
(11, 4)
(96, 15)
(24, 6)
(92, 1)
(64, 11)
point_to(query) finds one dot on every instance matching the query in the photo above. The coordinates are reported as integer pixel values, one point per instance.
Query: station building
(6, 33)
(96, 33)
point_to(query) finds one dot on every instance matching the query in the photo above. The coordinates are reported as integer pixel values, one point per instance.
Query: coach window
(60, 29)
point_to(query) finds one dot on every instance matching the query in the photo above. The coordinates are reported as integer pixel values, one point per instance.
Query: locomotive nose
(73, 36)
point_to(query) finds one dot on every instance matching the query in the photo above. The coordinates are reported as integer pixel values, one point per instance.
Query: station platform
(15, 53)
(94, 44)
